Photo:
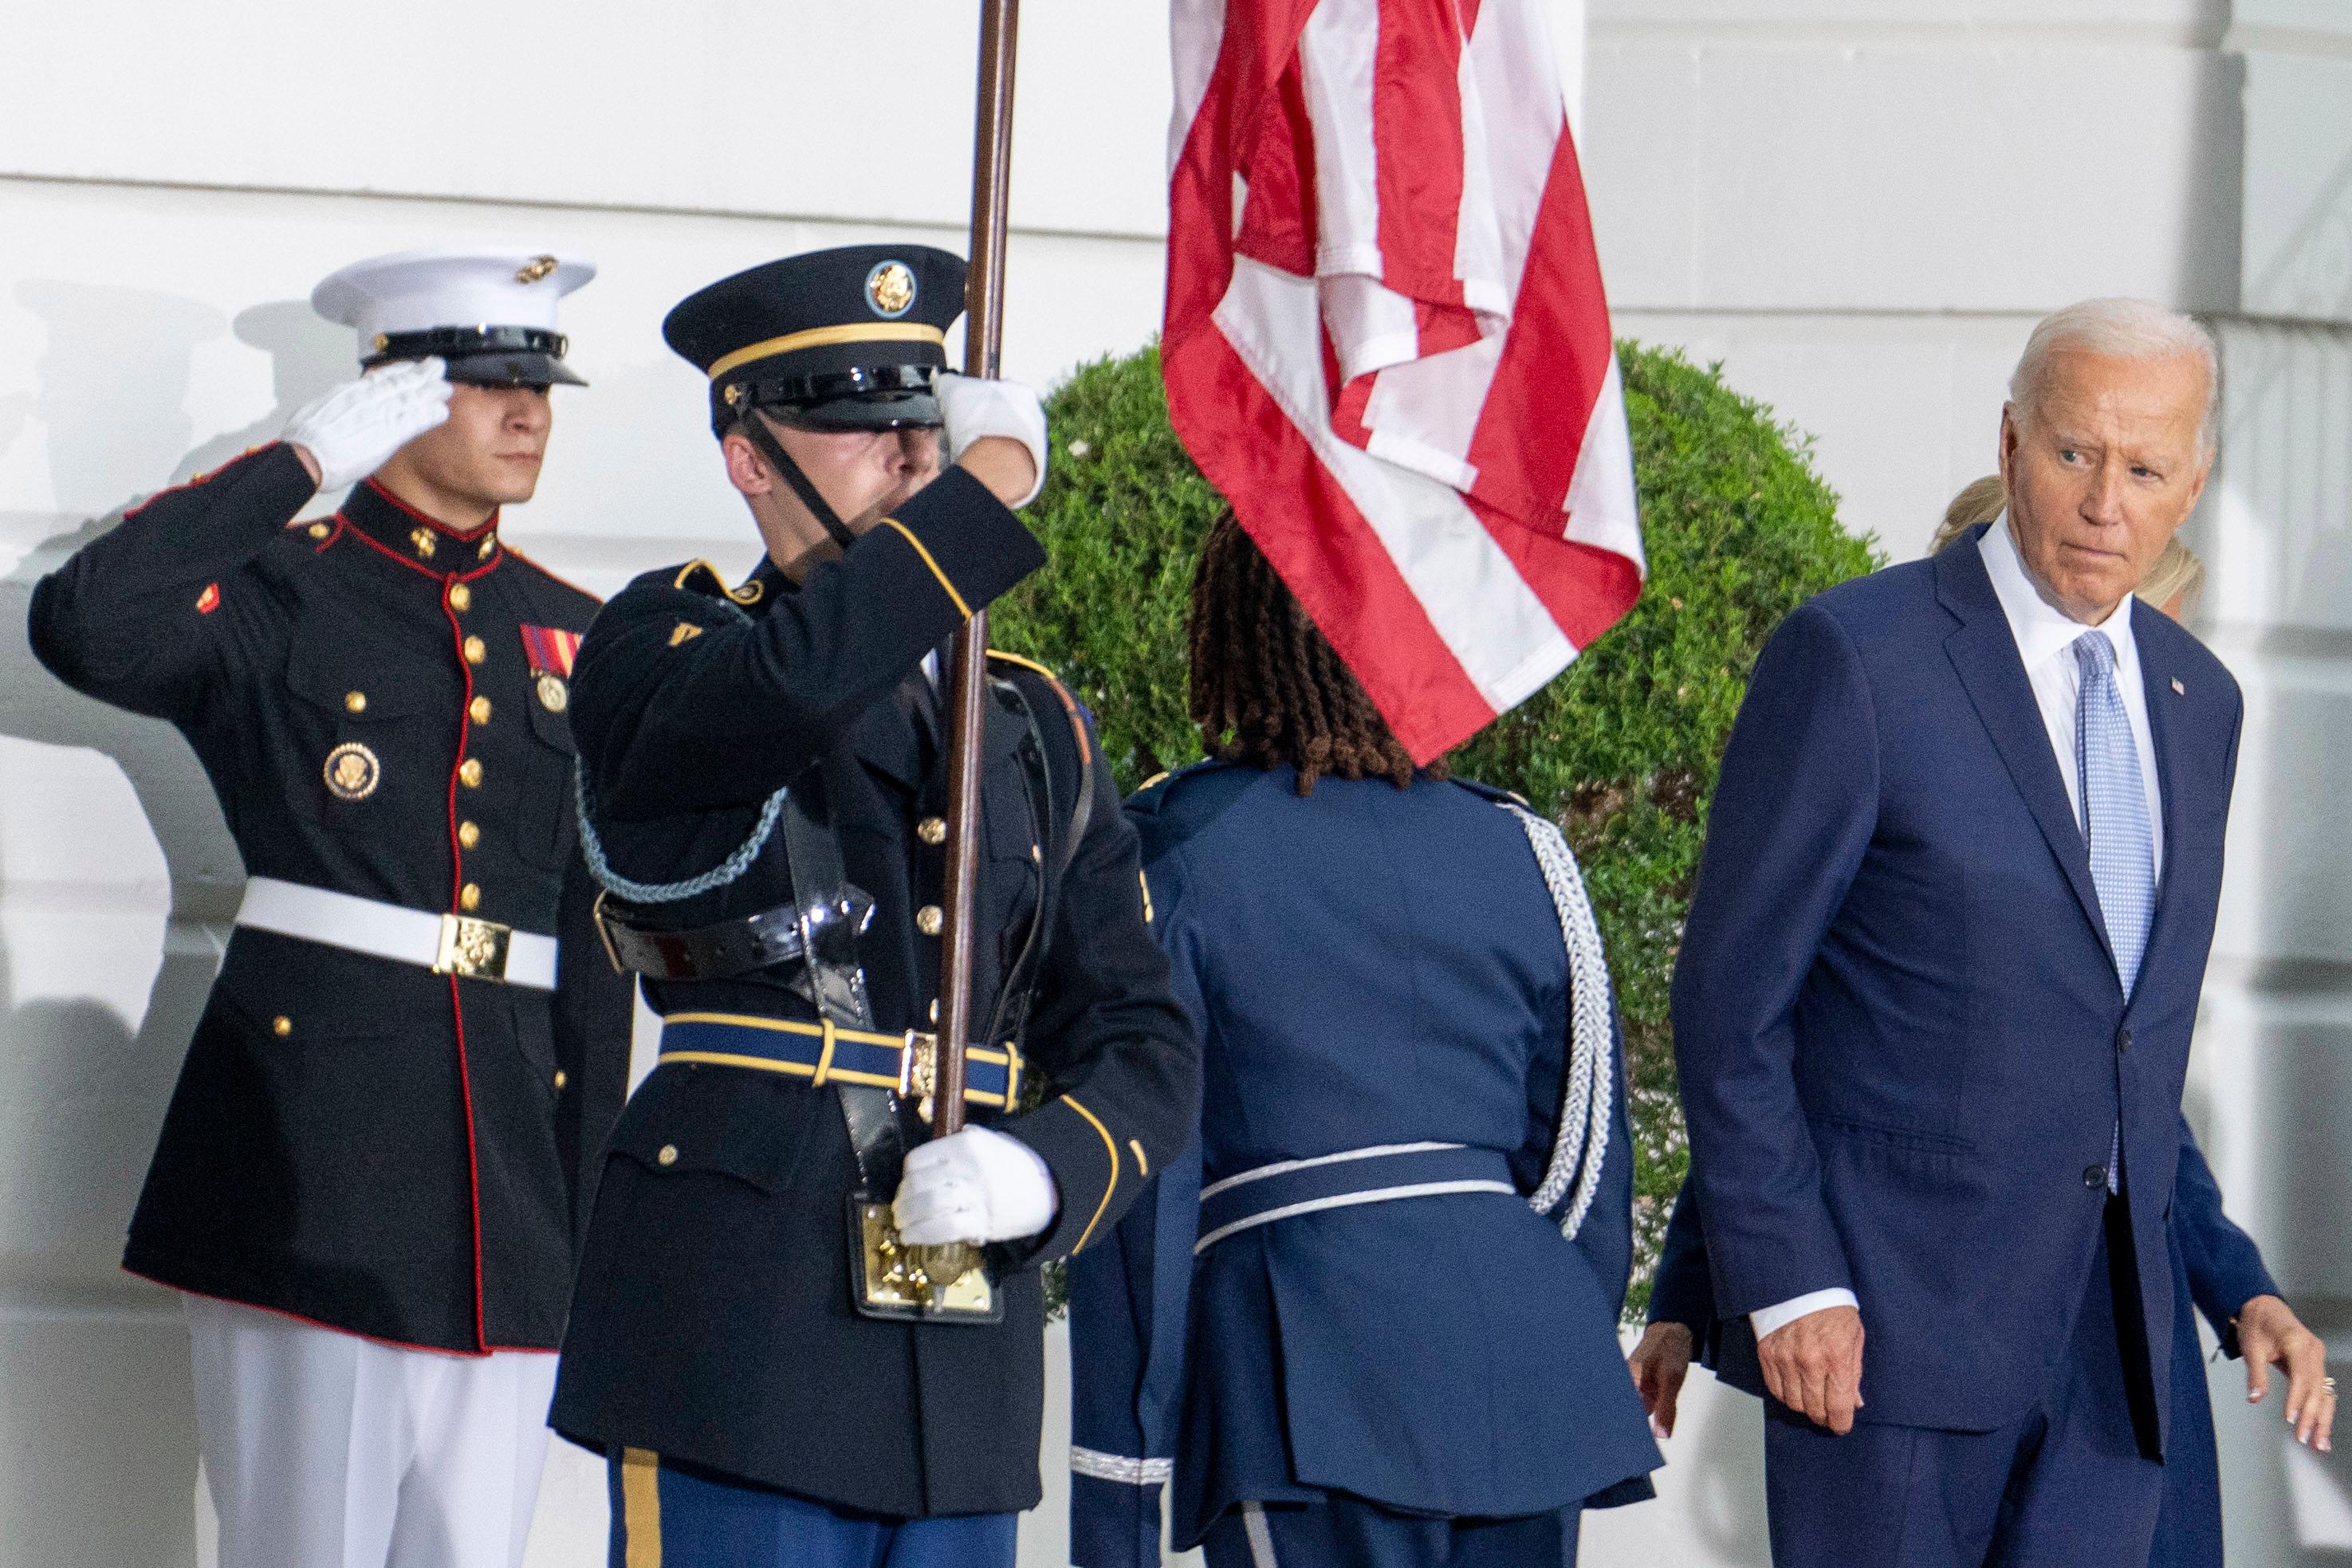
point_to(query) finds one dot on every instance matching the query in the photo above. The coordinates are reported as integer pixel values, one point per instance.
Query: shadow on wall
(98, 1422)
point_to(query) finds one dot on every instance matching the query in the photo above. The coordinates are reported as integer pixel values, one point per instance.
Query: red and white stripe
(1387, 343)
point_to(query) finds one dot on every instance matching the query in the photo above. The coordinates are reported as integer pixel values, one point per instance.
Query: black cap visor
(859, 397)
(524, 369)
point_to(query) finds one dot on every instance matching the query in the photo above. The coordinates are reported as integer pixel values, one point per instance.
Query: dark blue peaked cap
(846, 339)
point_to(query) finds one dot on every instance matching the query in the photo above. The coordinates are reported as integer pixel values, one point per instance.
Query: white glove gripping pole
(973, 408)
(977, 1186)
(351, 430)
(1591, 1058)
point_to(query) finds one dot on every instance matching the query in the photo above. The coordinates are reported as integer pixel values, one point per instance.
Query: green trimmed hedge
(1622, 748)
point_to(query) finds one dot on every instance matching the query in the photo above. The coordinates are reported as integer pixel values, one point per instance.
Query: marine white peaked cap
(418, 290)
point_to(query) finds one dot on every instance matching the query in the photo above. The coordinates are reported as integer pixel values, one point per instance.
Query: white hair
(2120, 329)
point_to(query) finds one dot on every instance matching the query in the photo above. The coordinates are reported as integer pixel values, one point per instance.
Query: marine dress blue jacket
(1382, 991)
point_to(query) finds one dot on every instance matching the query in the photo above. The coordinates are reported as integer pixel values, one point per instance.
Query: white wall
(1860, 206)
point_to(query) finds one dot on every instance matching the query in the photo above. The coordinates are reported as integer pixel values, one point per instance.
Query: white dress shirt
(2046, 642)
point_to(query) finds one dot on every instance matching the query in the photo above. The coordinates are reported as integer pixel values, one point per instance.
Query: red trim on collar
(343, 526)
(468, 535)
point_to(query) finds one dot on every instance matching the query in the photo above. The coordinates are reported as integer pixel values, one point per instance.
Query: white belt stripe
(381, 930)
(1350, 1201)
(1104, 1466)
(1282, 1167)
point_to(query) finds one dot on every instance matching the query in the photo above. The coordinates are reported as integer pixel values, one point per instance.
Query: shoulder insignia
(1024, 663)
(549, 649)
(683, 633)
(701, 577)
(209, 600)
(1493, 793)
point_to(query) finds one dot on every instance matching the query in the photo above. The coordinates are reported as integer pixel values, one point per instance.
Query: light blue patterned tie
(2115, 821)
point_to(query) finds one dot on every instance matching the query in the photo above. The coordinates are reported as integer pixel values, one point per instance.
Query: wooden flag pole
(992, 178)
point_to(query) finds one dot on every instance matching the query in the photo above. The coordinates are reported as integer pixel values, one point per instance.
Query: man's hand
(997, 431)
(346, 434)
(2270, 1335)
(1659, 1365)
(1814, 1366)
(976, 1186)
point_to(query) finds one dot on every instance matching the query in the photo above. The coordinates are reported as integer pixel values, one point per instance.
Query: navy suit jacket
(1903, 1043)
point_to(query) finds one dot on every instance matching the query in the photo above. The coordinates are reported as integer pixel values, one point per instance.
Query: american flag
(1387, 344)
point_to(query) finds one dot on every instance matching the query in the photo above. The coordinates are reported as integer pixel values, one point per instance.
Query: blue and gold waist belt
(1381, 1174)
(823, 1054)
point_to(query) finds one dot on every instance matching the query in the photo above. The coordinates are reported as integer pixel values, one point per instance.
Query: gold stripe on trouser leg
(641, 1507)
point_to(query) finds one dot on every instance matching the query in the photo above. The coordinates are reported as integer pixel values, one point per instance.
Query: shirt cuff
(1766, 1319)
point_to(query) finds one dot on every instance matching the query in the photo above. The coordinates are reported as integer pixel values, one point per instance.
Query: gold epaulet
(1024, 663)
(699, 576)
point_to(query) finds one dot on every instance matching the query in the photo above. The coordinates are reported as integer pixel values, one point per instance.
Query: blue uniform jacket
(1368, 966)
(2216, 1269)
(1903, 1044)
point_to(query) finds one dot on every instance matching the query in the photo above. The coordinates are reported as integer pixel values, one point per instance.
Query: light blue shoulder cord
(730, 870)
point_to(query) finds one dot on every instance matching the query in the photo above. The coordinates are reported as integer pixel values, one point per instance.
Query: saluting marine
(762, 793)
(370, 1175)
(1369, 1320)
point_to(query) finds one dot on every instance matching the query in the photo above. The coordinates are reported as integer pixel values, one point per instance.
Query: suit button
(469, 897)
(668, 1155)
(558, 1078)
(460, 596)
(2123, 1039)
(469, 773)
(469, 835)
(931, 920)
(479, 710)
(2095, 1177)
(355, 701)
(477, 650)
(281, 1025)
(932, 831)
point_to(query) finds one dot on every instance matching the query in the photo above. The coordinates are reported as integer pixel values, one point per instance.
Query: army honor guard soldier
(763, 789)
(370, 1175)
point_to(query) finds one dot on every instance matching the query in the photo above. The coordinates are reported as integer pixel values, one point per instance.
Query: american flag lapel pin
(2177, 689)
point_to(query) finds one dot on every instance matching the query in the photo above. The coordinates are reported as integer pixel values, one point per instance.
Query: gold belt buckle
(474, 948)
(918, 1071)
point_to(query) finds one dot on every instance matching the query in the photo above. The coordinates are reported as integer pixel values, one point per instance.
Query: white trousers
(326, 1450)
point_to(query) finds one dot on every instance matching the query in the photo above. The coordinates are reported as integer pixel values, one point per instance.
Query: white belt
(444, 944)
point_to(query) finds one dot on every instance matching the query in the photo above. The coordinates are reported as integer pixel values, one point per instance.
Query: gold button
(469, 835)
(281, 1025)
(476, 650)
(668, 1155)
(560, 1079)
(932, 831)
(470, 772)
(469, 896)
(479, 710)
(930, 920)
(460, 596)
(355, 701)
(320, 530)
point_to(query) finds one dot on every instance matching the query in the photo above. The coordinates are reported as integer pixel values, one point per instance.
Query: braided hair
(1267, 687)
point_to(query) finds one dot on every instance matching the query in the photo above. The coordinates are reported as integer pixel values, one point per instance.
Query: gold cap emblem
(537, 267)
(552, 694)
(352, 772)
(890, 288)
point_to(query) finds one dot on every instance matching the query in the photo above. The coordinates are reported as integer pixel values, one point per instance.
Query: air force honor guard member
(370, 1175)
(1369, 1321)
(765, 770)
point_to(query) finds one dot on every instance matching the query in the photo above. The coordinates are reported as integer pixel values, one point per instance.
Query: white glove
(973, 408)
(351, 430)
(974, 1186)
